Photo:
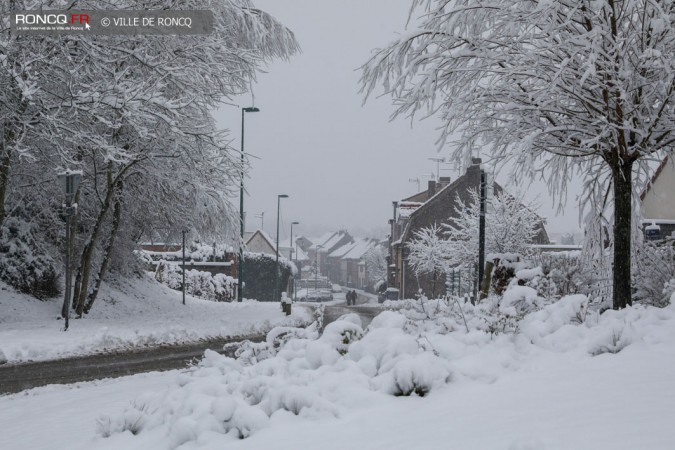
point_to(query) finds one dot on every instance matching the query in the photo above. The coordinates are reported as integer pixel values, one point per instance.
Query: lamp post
(296, 265)
(70, 180)
(240, 268)
(316, 267)
(276, 271)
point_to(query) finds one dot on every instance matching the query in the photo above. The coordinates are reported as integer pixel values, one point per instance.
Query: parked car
(314, 295)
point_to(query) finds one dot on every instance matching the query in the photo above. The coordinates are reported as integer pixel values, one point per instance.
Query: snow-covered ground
(602, 382)
(133, 314)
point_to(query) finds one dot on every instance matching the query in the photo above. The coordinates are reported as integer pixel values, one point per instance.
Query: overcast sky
(341, 163)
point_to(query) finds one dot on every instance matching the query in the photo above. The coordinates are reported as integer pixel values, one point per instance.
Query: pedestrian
(353, 297)
(349, 298)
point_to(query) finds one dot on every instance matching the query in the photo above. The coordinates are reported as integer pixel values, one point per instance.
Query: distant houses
(337, 256)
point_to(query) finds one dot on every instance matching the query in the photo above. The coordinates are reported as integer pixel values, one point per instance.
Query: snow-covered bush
(554, 275)
(299, 374)
(200, 284)
(295, 372)
(654, 274)
(259, 276)
(25, 262)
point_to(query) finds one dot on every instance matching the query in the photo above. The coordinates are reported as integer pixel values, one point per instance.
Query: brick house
(325, 245)
(352, 265)
(436, 205)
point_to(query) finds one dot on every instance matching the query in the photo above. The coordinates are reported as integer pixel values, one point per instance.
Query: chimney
(475, 161)
(431, 190)
(444, 181)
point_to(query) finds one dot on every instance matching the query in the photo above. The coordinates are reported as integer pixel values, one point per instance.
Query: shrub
(25, 263)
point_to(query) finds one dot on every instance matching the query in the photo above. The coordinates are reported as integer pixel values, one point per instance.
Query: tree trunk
(5, 161)
(117, 211)
(623, 184)
(84, 272)
(487, 279)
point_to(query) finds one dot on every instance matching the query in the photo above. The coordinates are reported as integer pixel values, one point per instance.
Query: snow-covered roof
(332, 242)
(359, 249)
(342, 250)
(405, 209)
(321, 240)
(266, 236)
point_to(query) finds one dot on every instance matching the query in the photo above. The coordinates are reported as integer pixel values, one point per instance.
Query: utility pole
(242, 219)
(183, 232)
(481, 230)
(276, 261)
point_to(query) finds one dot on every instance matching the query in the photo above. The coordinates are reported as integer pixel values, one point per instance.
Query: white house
(658, 202)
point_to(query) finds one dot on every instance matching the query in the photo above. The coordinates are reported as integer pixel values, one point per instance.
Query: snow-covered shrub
(556, 274)
(613, 340)
(343, 332)
(260, 275)
(200, 284)
(654, 273)
(505, 267)
(414, 374)
(25, 263)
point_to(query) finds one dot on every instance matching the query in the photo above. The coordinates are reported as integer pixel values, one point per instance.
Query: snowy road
(18, 377)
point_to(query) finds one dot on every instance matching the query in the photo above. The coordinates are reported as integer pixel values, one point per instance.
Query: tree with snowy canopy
(510, 227)
(556, 87)
(376, 263)
(134, 114)
(428, 254)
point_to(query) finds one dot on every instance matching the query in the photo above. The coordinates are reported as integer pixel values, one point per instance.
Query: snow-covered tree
(428, 254)
(134, 114)
(376, 263)
(510, 227)
(558, 87)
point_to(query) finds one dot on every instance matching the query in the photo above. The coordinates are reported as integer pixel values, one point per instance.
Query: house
(436, 205)
(658, 202)
(333, 267)
(353, 266)
(293, 253)
(260, 242)
(325, 245)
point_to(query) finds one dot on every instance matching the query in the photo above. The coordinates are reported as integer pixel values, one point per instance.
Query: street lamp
(240, 268)
(295, 263)
(316, 267)
(276, 272)
(70, 180)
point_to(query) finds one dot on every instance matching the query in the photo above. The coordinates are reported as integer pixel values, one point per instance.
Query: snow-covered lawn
(134, 314)
(605, 383)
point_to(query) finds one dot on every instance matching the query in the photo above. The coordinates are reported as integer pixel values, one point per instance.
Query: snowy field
(134, 314)
(556, 383)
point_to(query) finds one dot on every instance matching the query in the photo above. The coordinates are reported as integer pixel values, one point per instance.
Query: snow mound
(297, 374)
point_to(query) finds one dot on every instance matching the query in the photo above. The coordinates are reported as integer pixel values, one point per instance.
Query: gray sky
(341, 164)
